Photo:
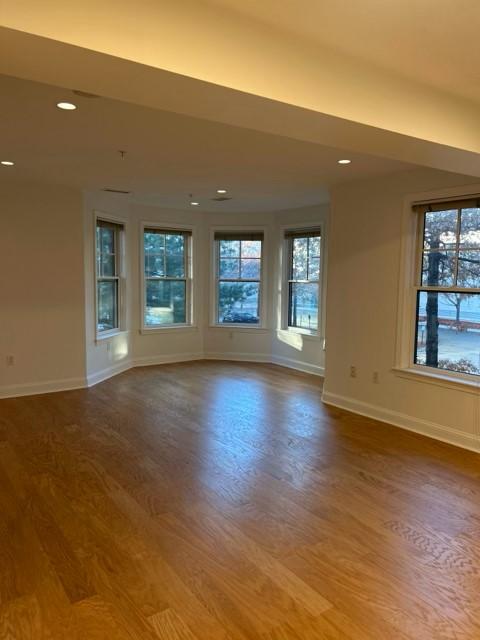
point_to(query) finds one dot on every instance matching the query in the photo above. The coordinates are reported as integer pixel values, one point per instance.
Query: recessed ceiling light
(66, 106)
(194, 204)
(7, 163)
(221, 191)
(344, 161)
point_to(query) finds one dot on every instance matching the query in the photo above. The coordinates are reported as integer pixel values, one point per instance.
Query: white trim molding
(108, 372)
(267, 358)
(238, 356)
(38, 388)
(68, 384)
(147, 361)
(306, 367)
(470, 441)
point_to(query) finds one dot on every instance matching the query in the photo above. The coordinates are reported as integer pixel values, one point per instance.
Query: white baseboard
(237, 357)
(404, 421)
(52, 386)
(108, 372)
(306, 367)
(147, 361)
(37, 388)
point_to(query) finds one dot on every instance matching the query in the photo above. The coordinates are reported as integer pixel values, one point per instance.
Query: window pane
(154, 242)
(303, 312)
(440, 230)
(448, 331)
(314, 269)
(175, 244)
(315, 246)
(251, 269)
(469, 269)
(229, 268)
(175, 266)
(438, 269)
(251, 248)
(154, 264)
(238, 302)
(470, 228)
(165, 302)
(105, 265)
(230, 248)
(300, 259)
(107, 315)
(105, 240)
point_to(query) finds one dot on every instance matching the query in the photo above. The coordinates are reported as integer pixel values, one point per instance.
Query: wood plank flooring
(223, 501)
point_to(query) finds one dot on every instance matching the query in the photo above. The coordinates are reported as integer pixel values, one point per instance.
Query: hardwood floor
(218, 500)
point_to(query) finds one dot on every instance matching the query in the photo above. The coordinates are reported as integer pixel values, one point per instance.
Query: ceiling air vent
(84, 94)
(221, 199)
(125, 193)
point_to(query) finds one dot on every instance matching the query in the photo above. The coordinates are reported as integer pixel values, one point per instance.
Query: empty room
(239, 320)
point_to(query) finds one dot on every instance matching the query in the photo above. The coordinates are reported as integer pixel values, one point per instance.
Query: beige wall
(362, 312)
(41, 288)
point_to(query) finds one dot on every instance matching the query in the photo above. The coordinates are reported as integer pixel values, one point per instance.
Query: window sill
(106, 335)
(239, 327)
(309, 335)
(145, 331)
(466, 385)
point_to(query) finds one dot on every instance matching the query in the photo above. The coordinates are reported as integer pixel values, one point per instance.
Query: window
(447, 335)
(108, 242)
(303, 250)
(167, 282)
(238, 277)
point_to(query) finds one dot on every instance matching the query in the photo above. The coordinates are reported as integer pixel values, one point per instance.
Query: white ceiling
(168, 155)
(434, 42)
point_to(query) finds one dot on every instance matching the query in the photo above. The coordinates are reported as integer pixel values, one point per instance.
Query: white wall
(41, 288)
(362, 312)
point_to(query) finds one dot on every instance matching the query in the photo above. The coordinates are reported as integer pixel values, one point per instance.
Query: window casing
(238, 278)
(447, 288)
(167, 282)
(303, 249)
(108, 270)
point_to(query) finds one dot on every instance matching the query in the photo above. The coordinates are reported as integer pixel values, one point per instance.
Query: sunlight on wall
(119, 349)
(294, 340)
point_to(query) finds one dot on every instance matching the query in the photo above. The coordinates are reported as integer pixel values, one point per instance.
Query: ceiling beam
(191, 58)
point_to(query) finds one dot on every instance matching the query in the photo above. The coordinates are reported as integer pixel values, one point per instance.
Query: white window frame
(410, 269)
(286, 270)
(214, 280)
(120, 270)
(189, 283)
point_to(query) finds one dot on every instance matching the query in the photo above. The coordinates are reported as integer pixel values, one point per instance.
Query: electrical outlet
(10, 361)
(230, 335)
(353, 371)
(375, 377)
